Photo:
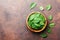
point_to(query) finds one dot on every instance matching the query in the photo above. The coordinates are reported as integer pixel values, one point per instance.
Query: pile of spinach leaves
(36, 21)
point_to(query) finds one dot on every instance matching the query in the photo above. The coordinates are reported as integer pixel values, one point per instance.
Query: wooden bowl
(33, 30)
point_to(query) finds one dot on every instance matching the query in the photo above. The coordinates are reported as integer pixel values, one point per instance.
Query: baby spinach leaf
(37, 15)
(31, 17)
(41, 8)
(30, 23)
(41, 26)
(50, 17)
(41, 23)
(32, 5)
(37, 25)
(51, 25)
(43, 35)
(42, 18)
(48, 30)
(36, 21)
(34, 26)
(48, 7)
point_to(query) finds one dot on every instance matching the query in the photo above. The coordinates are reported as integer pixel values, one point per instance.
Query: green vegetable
(44, 35)
(42, 18)
(42, 23)
(30, 23)
(31, 17)
(41, 8)
(32, 5)
(48, 30)
(50, 17)
(36, 21)
(51, 25)
(33, 26)
(48, 7)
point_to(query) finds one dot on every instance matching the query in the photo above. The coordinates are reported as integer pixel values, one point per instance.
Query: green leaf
(31, 17)
(37, 25)
(32, 5)
(41, 26)
(41, 23)
(48, 30)
(42, 18)
(43, 35)
(41, 8)
(51, 25)
(36, 21)
(37, 14)
(50, 17)
(34, 26)
(37, 18)
(30, 23)
(48, 7)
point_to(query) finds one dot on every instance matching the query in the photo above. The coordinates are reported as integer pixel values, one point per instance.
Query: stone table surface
(13, 15)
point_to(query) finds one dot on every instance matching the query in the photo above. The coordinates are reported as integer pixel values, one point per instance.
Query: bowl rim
(33, 30)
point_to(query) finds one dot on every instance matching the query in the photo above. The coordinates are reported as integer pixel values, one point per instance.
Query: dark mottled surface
(13, 14)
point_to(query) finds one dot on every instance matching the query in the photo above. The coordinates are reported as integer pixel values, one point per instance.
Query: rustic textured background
(13, 14)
